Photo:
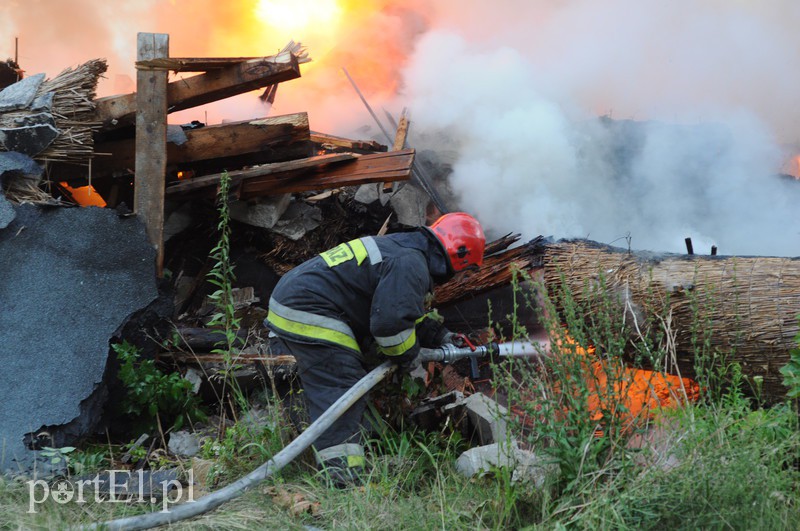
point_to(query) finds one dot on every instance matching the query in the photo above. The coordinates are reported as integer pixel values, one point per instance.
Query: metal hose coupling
(510, 349)
(452, 353)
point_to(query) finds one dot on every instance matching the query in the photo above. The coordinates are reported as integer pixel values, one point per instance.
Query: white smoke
(709, 83)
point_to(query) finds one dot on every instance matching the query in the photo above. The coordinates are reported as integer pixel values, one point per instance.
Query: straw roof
(750, 305)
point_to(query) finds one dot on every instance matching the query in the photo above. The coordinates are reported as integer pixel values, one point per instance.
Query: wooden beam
(119, 111)
(380, 167)
(151, 141)
(236, 176)
(335, 144)
(191, 64)
(264, 140)
(314, 173)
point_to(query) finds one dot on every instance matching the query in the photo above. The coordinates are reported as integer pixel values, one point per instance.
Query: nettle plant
(222, 276)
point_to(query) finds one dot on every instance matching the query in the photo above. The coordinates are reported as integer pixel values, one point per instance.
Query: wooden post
(151, 141)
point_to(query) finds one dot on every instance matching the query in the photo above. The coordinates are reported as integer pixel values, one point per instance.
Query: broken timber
(337, 144)
(314, 173)
(497, 270)
(236, 144)
(747, 306)
(217, 84)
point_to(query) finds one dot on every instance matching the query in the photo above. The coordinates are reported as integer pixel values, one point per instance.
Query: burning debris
(294, 193)
(751, 303)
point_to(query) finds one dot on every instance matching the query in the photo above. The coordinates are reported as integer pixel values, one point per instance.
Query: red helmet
(462, 238)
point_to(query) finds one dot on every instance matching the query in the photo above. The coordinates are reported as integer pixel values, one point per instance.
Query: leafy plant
(57, 455)
(86, 461)
(791, 371)
(152, 396)
(222, 276)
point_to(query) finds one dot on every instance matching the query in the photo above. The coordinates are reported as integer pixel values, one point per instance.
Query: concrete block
(265, 213)
(178, 220)
(367, 193)
(298, 220)
(532, 468)
(488, 419)
(482, 459)
(409, 204)
(525, 466)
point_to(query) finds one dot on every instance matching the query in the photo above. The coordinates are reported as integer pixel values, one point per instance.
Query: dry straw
(748, 305)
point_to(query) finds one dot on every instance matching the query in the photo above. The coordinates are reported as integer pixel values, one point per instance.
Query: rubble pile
(81, 279)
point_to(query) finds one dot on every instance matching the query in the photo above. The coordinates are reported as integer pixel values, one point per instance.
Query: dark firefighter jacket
(373, 286)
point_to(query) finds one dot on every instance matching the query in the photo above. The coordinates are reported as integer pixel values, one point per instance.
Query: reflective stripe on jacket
(373, 286)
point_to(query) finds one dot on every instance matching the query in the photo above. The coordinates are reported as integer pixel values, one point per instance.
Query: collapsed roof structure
(87, 277)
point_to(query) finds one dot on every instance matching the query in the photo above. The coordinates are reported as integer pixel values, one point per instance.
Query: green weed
(154, 398)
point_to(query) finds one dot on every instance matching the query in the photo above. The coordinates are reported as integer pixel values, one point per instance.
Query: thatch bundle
(73, 108)
(747, 306)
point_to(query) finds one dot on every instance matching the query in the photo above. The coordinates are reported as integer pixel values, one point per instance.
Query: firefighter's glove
(409, 361)
(451, 338)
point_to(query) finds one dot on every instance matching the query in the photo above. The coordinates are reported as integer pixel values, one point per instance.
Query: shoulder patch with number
(339, 254)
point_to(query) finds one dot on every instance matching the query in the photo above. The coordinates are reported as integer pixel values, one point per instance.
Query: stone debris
(298, 219)
(21, 94)
(265, 212)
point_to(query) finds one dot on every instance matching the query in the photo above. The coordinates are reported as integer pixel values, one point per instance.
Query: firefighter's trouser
(327, 372)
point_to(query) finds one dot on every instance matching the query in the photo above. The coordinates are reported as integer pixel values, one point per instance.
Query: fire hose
(444, 354)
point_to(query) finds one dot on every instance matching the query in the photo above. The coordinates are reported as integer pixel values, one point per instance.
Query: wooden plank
(366, 169)
(151, 141)
(338, 143)
(259, 171)
(250, 190)
(263, 137)
(119, 111)
(191, 64)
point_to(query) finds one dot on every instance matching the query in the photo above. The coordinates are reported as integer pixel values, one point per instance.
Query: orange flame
(629, 395)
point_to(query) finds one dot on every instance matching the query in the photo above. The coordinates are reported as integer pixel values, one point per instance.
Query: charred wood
(497, 270)
(314, 173)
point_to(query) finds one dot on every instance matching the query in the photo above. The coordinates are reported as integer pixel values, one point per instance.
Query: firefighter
(327, 311)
